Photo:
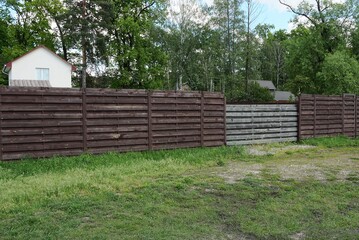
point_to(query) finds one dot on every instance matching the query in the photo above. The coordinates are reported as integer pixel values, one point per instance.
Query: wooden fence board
(266, 123)
(262, 141)
(328, 116)
(40, 122)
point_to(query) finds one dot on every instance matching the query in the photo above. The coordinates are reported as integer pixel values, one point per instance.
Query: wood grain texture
(328, 116)
(41, 122)
(259, 123)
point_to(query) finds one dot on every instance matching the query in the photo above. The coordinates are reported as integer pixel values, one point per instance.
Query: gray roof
(29, 83)
(265, 84)
(283, 96)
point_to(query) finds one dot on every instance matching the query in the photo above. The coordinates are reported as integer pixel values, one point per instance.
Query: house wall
(10, 76)
(25, 68)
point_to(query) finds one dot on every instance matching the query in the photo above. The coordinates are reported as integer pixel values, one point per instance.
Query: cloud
(208, 2)
(278, 6)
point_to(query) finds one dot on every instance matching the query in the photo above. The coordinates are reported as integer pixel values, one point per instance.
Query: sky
(272, 12)
(275, 13)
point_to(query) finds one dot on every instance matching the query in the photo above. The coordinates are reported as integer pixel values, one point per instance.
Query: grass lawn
(282, 191)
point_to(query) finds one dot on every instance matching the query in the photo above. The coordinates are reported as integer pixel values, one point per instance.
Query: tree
(340, 74)
(323, 32)
(252, 13)
(139, 60)
(355, 35)
(254, 94)
(87, 23)
(27, 27)
(304, 60)
(228, 20)
(272, 54)
(22, 27)
(183, 41)
(5, 40)
(327, 19)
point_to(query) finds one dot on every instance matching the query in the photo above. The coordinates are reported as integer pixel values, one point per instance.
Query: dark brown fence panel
(327, 116)
(40, 123)
(214, 119)
(176, 119)
(349, 107)
(46, 122)
(117, 120)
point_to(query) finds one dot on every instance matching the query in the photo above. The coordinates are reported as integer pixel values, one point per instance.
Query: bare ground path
(282, 191)
(297, 162)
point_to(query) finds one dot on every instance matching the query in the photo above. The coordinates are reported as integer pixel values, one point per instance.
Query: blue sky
(275, 13)
(272, 12)
(280, 18)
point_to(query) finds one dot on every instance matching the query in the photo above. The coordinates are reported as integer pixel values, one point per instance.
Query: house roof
(265, 84)
(283, 96)
(30, 83)
(9, 64)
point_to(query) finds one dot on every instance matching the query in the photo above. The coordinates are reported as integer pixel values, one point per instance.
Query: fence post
(225, 120)
(299, 110)
(315, 116)
(355, 115)
(84, 120)
(202, 119)
(1, 92)
(149, 117)
(343, 113)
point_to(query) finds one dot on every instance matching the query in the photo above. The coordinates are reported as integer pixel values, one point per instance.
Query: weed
(176, 195)
(332, 142)
(220, 163)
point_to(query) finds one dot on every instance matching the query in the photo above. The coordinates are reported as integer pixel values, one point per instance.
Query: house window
(42, 74)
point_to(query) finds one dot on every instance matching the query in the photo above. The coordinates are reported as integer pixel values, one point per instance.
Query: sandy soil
(298, 162)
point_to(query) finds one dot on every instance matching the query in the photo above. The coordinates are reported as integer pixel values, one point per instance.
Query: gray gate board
(261, 123)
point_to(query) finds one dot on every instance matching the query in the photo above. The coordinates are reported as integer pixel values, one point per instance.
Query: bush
(255, 94)
(340, 74)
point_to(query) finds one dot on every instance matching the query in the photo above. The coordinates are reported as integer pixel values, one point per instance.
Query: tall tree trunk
(228, 46)
(62, 38)
(248, 42)
(84, 56)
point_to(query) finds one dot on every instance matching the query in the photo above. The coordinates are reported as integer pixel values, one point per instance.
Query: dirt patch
(236, 171)
(298, 236)
(298, 171)
(296, 165)
(264, 150)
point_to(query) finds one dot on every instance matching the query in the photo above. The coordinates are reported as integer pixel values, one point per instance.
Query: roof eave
(9, 64)
(6, 69)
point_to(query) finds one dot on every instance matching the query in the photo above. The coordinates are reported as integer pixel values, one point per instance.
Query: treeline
(155, 44)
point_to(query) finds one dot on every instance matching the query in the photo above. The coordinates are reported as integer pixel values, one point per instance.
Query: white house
(40, 67)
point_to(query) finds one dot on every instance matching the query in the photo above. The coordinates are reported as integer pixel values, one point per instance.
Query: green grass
(332, 142)
(173, 195)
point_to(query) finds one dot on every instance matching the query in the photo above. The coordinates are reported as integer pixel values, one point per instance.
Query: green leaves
(340, 74)
(139, 58)
(151, 45)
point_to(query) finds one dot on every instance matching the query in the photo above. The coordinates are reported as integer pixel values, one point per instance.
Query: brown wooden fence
(328, 116)
(47, 122)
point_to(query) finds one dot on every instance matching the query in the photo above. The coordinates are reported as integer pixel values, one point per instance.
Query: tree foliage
(339, 74)
(173, 44)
